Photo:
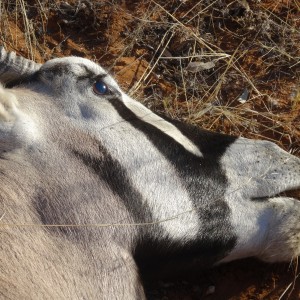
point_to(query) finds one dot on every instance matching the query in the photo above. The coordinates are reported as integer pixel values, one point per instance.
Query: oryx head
(92, 155)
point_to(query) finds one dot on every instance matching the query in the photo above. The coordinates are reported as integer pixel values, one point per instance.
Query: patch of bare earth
(228, 66)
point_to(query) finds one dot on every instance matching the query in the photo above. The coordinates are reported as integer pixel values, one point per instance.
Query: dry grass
(228, 66)
(225, 65)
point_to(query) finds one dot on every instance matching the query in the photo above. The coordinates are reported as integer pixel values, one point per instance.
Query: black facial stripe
(199, 175)
(110, 170)
(53, 208)
(210, 143)
(152, 243)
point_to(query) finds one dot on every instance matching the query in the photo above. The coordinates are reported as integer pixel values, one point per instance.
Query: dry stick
(220, 80)
(233, 60)
(227, 68)
(16, 22)
(244, 74)
(184, 89)
(282, 21)
(287, 288)
(145, 19)
(288, 25)
(219, 55)
(176, 9)
(192, 9)
(113, 224)
(60, 43)
(147, 14)
(295, 277)
(10, 45)
(202, 11)
(226, 111)
(27, 29)
(274, 48)
(94, 224)
(297, 63)
(103, 225)
(291, 284)
(273, 128)
(145, 74)
(200, 40)
(44, 19)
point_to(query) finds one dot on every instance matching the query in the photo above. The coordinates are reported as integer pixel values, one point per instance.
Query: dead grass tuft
(228, 66)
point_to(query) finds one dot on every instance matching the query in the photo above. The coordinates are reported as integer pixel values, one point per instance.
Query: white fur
(71, 125)
(151, 174)
(265, 228)
(13, 120)
(8, 105)
(148, 116)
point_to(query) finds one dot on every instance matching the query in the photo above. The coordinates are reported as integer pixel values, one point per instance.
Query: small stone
(244, 97)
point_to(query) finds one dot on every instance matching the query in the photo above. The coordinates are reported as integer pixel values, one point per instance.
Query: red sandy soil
(105, 36)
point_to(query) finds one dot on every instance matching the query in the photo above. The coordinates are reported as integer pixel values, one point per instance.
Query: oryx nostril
(293, 194)
(96, 186)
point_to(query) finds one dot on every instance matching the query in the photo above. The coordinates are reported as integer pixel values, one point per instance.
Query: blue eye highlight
(100, 88)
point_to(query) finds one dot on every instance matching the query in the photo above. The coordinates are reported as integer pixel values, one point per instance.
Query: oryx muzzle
(93, 185)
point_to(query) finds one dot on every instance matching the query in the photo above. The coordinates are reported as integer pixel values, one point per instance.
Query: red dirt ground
(106, 36)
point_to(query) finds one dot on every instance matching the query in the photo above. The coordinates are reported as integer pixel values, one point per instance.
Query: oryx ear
(14, 68)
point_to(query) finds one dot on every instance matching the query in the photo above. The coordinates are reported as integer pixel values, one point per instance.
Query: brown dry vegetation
(225, 65)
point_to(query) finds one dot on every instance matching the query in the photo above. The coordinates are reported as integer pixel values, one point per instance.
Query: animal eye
(100, 88)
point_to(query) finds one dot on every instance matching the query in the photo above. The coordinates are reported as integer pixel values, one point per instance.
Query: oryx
(93, 185)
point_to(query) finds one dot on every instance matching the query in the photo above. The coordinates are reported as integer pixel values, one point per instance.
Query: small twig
(291, 284)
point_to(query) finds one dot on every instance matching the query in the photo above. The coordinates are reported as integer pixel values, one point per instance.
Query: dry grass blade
(148, 45)
(291, 286)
